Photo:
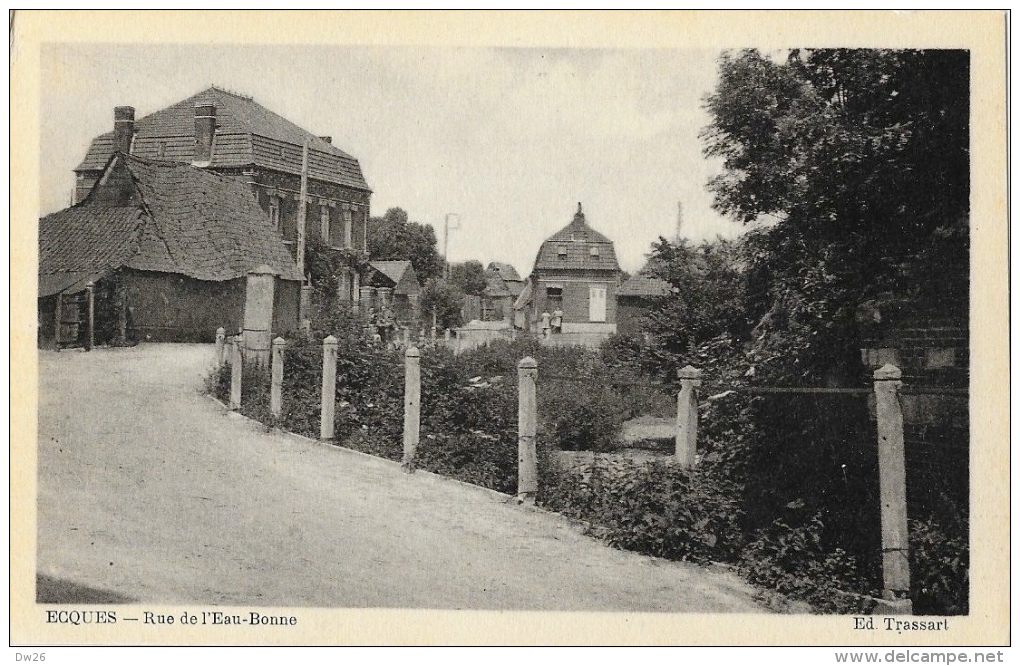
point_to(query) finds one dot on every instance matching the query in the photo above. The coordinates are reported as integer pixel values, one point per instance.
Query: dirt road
(149, 491)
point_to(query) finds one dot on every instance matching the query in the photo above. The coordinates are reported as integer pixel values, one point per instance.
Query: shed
(169, 247)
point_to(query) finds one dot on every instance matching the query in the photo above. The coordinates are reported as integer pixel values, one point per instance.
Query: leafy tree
(469, 277)
(708, 295)
(445, 300)
(858, 163)
(326, 266)
(394, 237)
(853, 168)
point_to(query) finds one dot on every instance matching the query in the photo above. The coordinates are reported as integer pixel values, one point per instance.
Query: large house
(167, 248)
(236, 137)
(576, 273)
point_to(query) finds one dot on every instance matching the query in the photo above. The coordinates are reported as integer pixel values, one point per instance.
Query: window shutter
(596, 303)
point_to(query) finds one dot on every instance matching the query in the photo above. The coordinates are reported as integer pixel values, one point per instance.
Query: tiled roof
(87, 240)
(79, 244)
(643, 286)
(247, 133)
(189, 221)
(524, 298)
(577, 247)
(505, 270)
(495, 287)
(399, 273)
(394, 270)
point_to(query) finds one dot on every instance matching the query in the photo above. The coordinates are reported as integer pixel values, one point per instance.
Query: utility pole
(302, 214)
(679, 221)
(446, 240)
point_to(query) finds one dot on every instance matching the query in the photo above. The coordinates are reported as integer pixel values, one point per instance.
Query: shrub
(455, 400)
(725, 511)
(479, 458)
(939, 569)
(654, 508)
(793, 561)
(372, 444)
(579, 408)
(217, 383)
(255, 396)
(577, 418)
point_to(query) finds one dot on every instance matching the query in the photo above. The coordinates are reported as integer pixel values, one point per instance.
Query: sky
(505, 140)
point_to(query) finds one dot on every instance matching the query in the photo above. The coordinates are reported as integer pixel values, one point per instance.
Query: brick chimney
(205, 132)
(123, 128)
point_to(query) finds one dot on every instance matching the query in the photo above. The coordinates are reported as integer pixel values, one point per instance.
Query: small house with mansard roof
(577, 273)
(234, 136)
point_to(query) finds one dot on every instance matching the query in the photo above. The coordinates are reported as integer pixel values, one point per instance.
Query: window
(348, 228)
(561, 251)
(274, 212)
(161, 151)
(596, 303)
(324, 223)
(594, 252)
(553, 299)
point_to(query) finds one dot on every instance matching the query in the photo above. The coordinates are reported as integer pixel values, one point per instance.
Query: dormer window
(594, 252)
(561, 251)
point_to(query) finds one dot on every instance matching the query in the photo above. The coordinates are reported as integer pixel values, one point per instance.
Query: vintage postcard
(431, 328)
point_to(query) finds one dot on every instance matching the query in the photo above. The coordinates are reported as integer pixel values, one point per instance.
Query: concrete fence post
(220, 341)
(687, 415)
(305, 307)
(892, 477)
(258, 314)
(412, 405)
(276, 379)
(328, 388)
(90, 339)
(527, 417)
(236, 371)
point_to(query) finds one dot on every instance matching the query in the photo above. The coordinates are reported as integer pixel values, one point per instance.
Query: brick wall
(164, 307)
(575, 297)
(929, 340)
(286, 298)
(83, 184)
(119, 189)
(167, 307)
(335, 197)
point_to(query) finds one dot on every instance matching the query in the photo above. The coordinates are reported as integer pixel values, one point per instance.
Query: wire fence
(936, 441)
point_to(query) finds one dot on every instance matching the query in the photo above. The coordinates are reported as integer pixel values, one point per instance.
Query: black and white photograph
(679, 326)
